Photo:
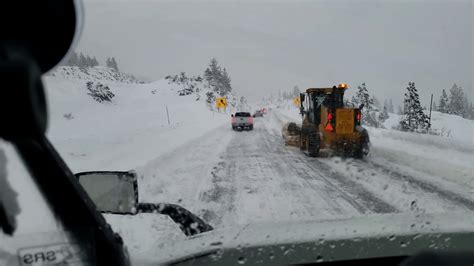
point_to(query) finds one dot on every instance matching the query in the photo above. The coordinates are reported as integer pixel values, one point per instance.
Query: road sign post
(431, 105)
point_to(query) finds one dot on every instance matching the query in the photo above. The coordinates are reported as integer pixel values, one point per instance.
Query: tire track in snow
(357, 191)
(222, 194)
(301, 173)
(354, 193)
(397, 174)
(257, 181)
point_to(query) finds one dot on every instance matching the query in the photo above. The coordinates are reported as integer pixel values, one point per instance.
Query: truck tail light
(358, 117)
(250, 120)
(233, 120)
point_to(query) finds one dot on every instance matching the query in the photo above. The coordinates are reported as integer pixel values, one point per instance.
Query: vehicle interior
(78, 201)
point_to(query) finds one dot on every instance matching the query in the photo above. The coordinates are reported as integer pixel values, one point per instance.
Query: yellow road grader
(328, 124)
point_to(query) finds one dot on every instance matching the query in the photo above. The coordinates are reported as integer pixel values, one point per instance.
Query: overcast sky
(272, 46)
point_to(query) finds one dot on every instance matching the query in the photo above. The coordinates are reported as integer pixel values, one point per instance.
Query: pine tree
(218, 79)
(225, 83)
(108, 63)
(94, 62)
(89, 62)
(457, 103)
(73, 60)
(114, 64)
(363, 97)
(296, 91)
(413, 119)
(207, 75)
(399, 110)
(465, 109)
(383, 115)
(390, 107)
(471, 112)
(377, 103)
(82, 61)
(443, 102)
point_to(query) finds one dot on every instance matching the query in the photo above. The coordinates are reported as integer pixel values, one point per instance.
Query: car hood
(306, 241)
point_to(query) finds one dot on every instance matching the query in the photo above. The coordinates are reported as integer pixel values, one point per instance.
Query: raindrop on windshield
(392, 237)
(272, 256)
(319, 259)
(403, 244)
(241, 260)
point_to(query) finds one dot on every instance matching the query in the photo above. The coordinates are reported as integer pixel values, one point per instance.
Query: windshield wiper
(188, 222)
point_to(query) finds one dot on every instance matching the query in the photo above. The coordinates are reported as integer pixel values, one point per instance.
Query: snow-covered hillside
(130, 130)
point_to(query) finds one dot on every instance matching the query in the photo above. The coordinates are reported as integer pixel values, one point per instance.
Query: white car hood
(291, 233)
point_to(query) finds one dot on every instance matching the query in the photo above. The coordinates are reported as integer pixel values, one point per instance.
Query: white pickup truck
(242, 120)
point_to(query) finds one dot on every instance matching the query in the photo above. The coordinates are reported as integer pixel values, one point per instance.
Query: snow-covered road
(230, 178)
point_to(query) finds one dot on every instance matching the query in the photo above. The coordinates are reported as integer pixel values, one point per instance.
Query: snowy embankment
(128, 132)
(124, 134)
(445, 161)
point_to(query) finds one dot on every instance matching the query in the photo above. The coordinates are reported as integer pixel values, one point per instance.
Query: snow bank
(446, 125)
(128, 132)
(445, 160)
(125, 134)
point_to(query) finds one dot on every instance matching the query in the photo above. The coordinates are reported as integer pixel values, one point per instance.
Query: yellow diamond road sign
(221, 102)
(296, 101)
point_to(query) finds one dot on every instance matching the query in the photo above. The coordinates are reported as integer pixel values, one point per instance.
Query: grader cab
(328, 124)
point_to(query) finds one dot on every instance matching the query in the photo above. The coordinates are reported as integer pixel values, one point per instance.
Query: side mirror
(231, 115)
(112, 192)
(253, 116)
(117, 192)
(361, 106)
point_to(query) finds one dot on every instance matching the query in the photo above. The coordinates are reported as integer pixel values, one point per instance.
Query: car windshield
(363, 114)
(242, 114)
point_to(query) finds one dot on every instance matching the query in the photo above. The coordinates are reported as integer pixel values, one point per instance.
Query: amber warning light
(342, 86)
